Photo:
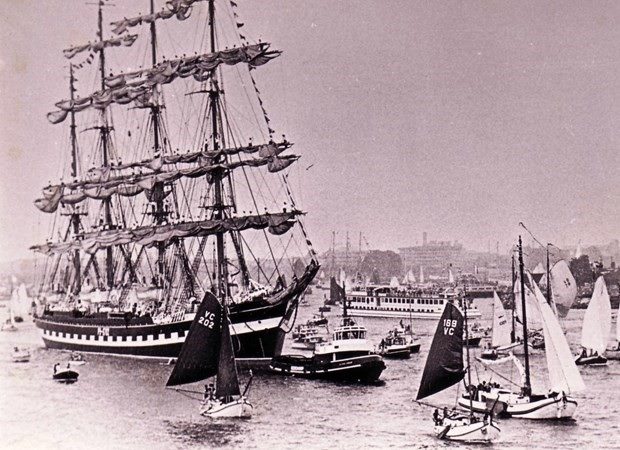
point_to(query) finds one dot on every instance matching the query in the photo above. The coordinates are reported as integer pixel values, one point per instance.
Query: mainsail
(201, 351)
(444, 364)
(597, 319)
(563, 287)
(502, 327)
(563, 373)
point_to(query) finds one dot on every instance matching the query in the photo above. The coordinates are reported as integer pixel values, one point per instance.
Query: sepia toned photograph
(328, 224)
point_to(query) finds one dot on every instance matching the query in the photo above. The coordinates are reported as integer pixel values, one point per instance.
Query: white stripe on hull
(150, 341)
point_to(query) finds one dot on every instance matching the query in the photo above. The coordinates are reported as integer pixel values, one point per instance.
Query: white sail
(563, 373)
(597, 319)
(394, 282)
(563, 287)
(342, 277)
(501, 324)
(450, 276)
(421, 274)
(20, 302)
(578, 251)
(409, 277)
(534, 321)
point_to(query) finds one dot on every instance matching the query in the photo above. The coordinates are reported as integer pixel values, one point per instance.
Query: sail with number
(563, 287)
(444, 365)
(502, 326)
(200, 354)
(597, 319)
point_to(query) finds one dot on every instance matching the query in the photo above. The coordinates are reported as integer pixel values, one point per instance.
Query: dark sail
(227, 381)
(199, 355)
(444, 364)
(336, 292)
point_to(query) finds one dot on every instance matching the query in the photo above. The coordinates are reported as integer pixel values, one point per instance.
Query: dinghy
(206, 352)
(65, 376)
(501, 333)
(20, 355)
(596, 325)
(444, 368)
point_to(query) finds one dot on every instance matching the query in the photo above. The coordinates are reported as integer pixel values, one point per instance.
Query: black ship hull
(363, 369)
(257, 328)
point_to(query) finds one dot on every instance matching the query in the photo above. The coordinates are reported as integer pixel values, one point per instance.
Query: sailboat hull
(462, 430)
(593, 360)
(239, 408)
(539, 407)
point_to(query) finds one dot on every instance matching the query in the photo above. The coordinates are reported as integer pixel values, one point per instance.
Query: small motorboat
(77, 359)
(591, 358)
(20, 355)
(66, 376)
(394, 346)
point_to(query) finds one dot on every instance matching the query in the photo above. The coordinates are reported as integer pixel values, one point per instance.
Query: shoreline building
(434, 256)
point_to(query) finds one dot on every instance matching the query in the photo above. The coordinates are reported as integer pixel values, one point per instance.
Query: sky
(460, 119)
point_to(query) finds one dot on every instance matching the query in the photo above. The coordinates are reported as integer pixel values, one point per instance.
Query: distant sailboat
(596, 325)
(563, 288)
(409, 278)
(450, 276)
(614, 353)
(444, 368)
(206, 352)
(501, 337)
(421, 274)
(394, 282)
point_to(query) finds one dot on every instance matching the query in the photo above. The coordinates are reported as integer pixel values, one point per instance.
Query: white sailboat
(502, 332)
(596, 325)
(563, 375)
(444, 368)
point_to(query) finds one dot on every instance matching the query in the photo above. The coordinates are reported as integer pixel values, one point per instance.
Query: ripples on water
(122, 403)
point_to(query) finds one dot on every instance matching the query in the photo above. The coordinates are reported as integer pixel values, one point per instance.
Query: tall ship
(405, 302)
(173, 185)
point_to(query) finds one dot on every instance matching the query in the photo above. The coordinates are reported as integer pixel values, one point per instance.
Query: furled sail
(125, 88)
(181, 9)
(563, 287)
(103, 185)
(501, 324)
(597, 319)
(444, 364)
(200, 352)
(563, 373)
(126, 40)
(148, 235)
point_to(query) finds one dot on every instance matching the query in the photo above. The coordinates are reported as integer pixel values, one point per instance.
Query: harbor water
(122, 403)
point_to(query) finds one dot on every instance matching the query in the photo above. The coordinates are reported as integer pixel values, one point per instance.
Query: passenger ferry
(386, 301)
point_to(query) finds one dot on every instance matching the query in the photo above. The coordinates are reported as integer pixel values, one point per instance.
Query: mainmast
(218, 206)
(75, 215)
(107, 207)
(527, 388)
(158, 190)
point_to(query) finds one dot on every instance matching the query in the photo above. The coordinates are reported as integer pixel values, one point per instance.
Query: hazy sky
(457, 118)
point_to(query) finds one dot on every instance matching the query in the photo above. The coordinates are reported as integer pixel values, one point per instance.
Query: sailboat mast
(514, 297)
(528, 387)
(218, 207)
(75, 216)
(104, 148)
(471, 400)
(548, 278)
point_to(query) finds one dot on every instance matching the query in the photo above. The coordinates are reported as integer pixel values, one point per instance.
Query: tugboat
(348, 357)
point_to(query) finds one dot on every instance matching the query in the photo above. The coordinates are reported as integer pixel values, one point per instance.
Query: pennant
(240, 24)
(233, 4)
(242, 37)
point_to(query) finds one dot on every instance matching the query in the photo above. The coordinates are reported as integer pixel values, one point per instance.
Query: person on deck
(56, 368)
(436, 417)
